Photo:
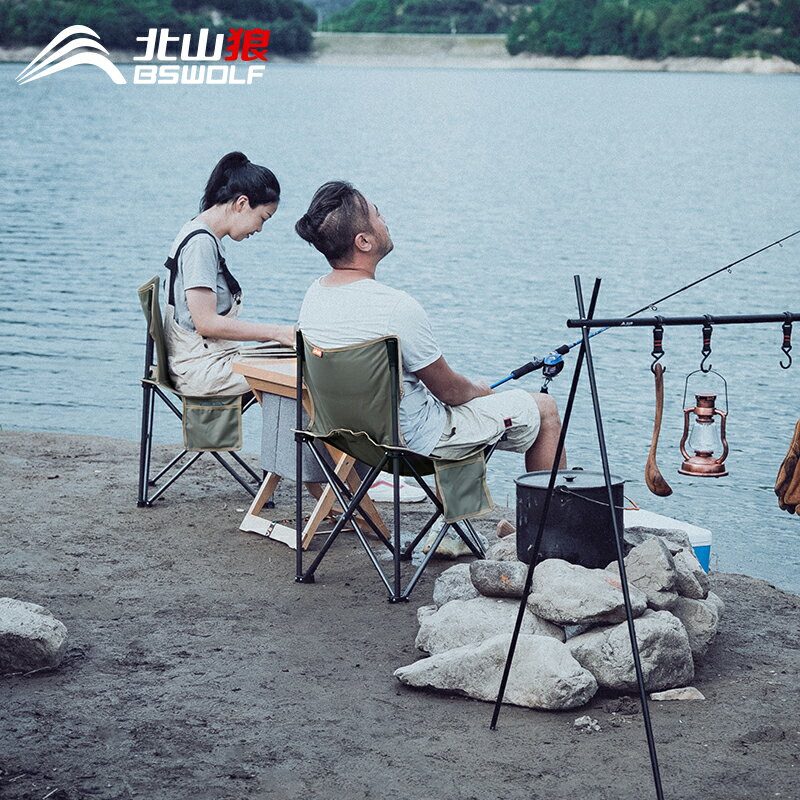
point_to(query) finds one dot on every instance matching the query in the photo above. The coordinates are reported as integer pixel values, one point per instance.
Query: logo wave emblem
(54, 59)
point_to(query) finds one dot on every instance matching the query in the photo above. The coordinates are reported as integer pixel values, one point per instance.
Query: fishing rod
(553, 362)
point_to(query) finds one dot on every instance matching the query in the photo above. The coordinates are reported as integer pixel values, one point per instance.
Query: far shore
(470, 51)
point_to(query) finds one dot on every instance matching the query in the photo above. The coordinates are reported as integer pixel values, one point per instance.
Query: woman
(202, 326)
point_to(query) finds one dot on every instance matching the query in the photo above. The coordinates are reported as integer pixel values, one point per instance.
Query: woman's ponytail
(235, 175)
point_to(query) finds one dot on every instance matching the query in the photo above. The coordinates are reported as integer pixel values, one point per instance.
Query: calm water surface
(498, 187)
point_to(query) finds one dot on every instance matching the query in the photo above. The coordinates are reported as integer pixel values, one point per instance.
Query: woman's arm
(202, 305)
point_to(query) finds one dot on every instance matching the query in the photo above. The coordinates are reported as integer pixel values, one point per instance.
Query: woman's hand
(203, 308)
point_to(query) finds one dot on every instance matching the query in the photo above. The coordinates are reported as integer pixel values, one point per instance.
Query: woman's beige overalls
(200, 366)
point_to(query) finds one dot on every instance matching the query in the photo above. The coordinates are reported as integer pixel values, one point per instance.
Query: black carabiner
(658, 350)
(706, 351)
(787, 340)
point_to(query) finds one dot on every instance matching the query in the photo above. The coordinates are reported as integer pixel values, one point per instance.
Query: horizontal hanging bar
(645, 322)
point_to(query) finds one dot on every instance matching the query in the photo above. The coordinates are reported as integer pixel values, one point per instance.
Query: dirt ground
(197, 667)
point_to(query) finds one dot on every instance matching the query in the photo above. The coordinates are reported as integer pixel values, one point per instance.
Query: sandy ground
(197, 668)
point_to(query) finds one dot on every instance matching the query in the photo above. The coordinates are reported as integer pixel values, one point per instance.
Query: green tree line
(119, 22)
(635, 28)
(658, 28)
(420, 16)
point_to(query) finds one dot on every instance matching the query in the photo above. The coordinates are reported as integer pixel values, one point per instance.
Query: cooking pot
(579, 528)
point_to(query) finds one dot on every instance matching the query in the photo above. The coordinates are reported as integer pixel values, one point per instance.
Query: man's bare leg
(542, 452)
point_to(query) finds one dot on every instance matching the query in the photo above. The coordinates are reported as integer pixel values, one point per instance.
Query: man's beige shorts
(484, 420)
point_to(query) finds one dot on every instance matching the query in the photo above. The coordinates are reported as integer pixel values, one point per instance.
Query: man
(442, 413)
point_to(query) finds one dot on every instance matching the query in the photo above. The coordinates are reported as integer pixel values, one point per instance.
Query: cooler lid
(570, 478)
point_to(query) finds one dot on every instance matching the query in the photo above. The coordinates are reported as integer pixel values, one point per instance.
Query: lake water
(498, 187)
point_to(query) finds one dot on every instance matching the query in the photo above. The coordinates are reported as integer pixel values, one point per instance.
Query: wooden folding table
(278, 376)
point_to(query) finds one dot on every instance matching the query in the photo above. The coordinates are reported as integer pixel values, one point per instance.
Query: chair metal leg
(145, 443)
(250, 489)
(164, 487)
(167, 468)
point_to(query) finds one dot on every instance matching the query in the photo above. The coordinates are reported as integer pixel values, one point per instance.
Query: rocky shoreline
(471, 51)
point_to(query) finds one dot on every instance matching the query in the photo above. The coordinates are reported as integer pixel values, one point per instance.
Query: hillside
(642, 29)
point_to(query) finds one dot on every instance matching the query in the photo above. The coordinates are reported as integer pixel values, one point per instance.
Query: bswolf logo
(202, 62)
(51, 60)
(247, 45)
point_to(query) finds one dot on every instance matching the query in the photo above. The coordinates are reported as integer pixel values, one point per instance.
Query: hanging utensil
(655, 481)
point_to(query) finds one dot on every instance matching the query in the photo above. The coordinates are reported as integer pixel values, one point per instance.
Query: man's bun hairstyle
(338, 212)
(235, 175)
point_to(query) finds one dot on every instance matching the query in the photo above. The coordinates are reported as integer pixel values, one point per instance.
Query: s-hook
(706, 351)
(787, 340)
(658, 351)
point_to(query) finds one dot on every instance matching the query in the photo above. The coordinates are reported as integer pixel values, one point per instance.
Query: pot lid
(570, 478)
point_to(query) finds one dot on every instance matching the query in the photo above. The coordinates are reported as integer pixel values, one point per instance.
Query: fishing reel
(552, 364)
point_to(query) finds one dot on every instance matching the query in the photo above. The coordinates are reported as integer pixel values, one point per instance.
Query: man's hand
(449, 386)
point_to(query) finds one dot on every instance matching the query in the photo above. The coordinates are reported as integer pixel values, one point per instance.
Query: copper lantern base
(703, 466)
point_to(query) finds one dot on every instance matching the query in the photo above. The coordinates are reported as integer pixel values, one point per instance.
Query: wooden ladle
(652, 474)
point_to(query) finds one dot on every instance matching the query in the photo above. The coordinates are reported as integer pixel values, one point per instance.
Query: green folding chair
(210, 424)
(354, 395)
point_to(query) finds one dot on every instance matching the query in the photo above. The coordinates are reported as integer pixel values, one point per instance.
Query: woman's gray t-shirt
(336, 316)
(198, 268)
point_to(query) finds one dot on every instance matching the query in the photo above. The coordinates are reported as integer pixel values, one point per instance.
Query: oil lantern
(703, 444)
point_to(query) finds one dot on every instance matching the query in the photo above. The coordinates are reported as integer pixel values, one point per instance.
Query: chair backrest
(154, 371)
(355, 394)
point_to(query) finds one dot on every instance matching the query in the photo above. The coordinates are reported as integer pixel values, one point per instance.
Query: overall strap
(172, 265)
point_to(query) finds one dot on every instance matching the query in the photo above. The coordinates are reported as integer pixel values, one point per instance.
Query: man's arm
(449, 386)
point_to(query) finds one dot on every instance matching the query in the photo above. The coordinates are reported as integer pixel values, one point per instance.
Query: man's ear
(363, 242)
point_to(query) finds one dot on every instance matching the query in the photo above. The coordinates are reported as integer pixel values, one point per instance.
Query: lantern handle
(723, 417)
(787, 340)
(658, 349)
(706, 351)
(686, 412)
(707, 372)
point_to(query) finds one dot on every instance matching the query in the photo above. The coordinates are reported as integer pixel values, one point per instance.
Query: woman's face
(245, 220)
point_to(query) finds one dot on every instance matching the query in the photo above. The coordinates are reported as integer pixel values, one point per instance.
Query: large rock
(664, 653)
(649, 567)
(692, 578)
(569, 594)
(641, 525)
(462, 622)
(499, 578)
(543, 674)
(31, 637)
(701, 619)
(454, 584)
(504, 549)
(718, 604)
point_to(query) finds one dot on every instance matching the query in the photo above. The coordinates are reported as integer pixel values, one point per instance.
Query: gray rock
(641, 525)
(692, 580)
(569, 594)
(462, 622)
(701, 619)
(649, 567)
(664, 653)
(31, 637)
(543, 674)
(499, 578)
(454, 584)
(684, 693)
(717, 601)
(504, 549)
(425, 611)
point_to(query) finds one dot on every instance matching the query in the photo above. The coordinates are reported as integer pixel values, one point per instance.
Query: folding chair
(210, 424)
(355, 397)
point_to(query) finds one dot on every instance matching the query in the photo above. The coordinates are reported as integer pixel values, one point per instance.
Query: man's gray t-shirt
(198, 268)
(336, 316)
